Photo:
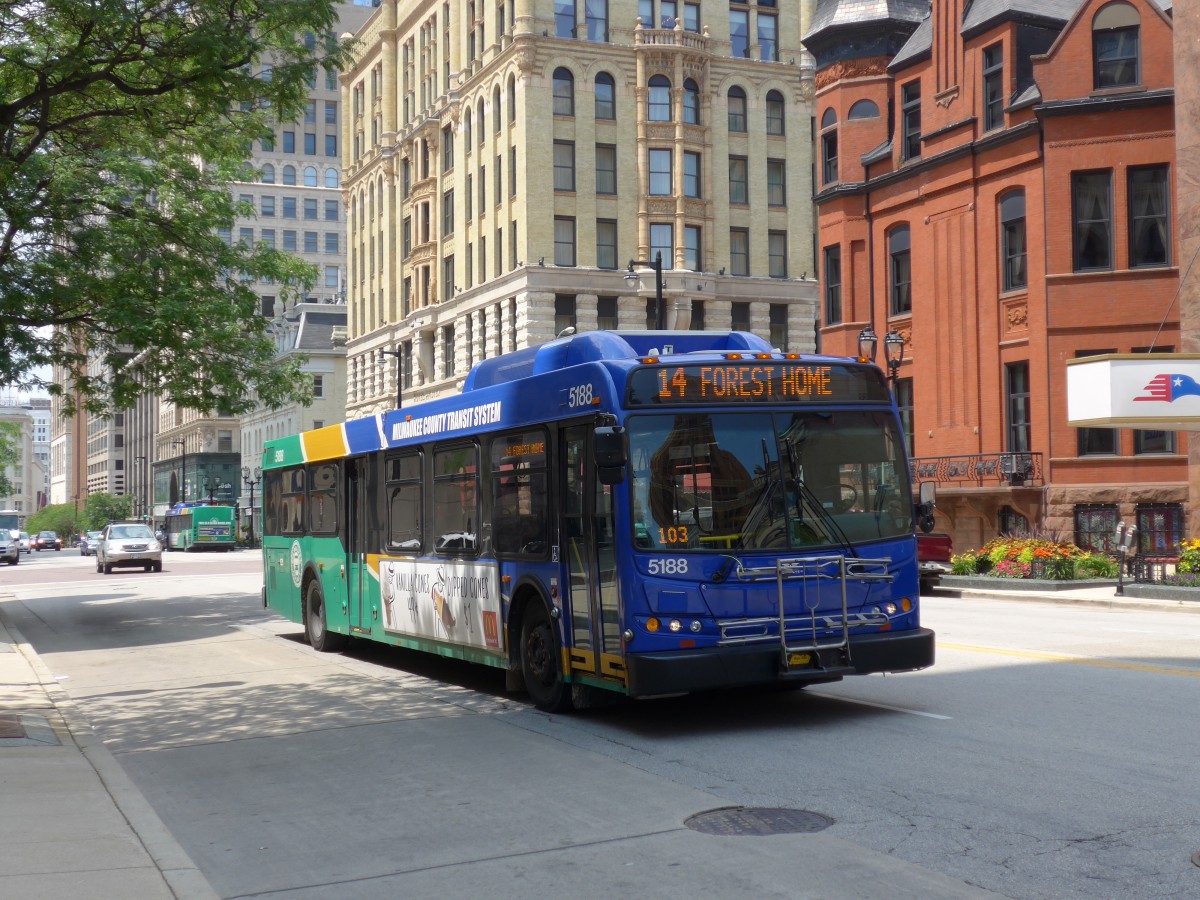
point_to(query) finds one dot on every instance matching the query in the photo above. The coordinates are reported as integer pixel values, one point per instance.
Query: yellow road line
(1079, 660)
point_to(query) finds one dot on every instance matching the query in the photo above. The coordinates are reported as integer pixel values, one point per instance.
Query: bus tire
(541, 661)
(316, 628)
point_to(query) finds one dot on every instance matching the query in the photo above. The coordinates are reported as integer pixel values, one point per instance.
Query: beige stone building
(505, 161)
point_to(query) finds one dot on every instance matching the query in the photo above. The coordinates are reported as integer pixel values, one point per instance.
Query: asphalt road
(1050, 753)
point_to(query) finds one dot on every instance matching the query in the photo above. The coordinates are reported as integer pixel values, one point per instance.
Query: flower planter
(992, 583)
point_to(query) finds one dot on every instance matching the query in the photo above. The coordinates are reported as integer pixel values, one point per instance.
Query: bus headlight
(889, 608)
(696, 626)
(652, 624)
(675, 625)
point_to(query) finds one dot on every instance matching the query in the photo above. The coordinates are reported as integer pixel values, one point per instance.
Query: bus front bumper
(683, 671)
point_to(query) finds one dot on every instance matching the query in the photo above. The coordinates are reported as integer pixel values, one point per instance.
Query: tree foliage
(10, 434)
(122, 126)
(103, 508)
(60, 518)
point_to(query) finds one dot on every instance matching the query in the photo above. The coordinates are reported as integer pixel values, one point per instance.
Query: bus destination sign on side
(756, 382)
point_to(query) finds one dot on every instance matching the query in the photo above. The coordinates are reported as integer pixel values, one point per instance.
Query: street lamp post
(142, 504)
(893, 353)
(251, 482)
(211, 485)
(631, 275)
(399, 385)
(866, 344)
(182, 445)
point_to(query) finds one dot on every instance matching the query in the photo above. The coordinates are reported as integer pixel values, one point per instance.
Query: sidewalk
(1134, 596)
(71, 822)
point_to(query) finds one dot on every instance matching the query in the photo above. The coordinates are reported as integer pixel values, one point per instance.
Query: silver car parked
(128, 544)
(10, 547)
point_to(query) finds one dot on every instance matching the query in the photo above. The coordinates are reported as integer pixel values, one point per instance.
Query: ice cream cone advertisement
(458, 602)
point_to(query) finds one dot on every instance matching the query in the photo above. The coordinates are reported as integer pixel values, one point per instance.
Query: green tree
(60, 518)
(103, 508)
(10, 433)
(122, 126)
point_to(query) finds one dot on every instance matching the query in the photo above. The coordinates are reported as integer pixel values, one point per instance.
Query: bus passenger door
(586, 541)
(356, 543)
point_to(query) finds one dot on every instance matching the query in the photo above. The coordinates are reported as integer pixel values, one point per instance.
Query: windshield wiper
(824, 515)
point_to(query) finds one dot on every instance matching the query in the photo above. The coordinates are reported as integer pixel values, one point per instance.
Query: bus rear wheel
(315, 626)
(541, 664)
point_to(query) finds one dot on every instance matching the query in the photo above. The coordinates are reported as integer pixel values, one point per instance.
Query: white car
(26, 542)
(128, 544)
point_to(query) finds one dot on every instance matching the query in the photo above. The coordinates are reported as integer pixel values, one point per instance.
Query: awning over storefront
(1159, 391)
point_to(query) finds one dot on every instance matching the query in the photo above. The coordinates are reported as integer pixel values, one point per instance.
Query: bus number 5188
(667, 566)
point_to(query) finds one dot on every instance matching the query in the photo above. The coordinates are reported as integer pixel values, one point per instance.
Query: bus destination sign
(757, 382)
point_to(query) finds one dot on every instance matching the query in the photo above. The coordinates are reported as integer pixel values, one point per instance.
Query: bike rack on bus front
(814, 573)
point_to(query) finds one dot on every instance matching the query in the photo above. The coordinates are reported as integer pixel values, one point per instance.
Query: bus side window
(272, 492)
(520, 500)
(456, 499)
(323, 504)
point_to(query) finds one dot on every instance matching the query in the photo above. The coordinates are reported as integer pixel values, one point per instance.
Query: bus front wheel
(315, 625)
(541, 661)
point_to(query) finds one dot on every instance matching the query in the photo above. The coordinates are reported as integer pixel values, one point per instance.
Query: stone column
(631, 312)
(586, 317)
(1187, 180)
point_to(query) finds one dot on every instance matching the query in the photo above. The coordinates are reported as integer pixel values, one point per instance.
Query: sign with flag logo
(1135, 390)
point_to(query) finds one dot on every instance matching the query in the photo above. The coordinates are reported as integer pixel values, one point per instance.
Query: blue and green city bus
(199, 526)
(645, 513)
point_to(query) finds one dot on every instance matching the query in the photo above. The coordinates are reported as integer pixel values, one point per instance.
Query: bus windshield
(767, 481)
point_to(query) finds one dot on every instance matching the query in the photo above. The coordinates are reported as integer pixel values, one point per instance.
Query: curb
(181, 875)
(1127, 601)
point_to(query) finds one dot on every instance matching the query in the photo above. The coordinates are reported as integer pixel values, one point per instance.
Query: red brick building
(996, 184)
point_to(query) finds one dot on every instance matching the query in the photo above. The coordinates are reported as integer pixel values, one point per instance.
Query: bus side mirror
(926, 506)
(611, 455)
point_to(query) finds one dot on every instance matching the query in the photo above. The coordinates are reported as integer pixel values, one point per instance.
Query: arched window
(512, 98)
(289, 174)
(737, 109)
(774, 112)
(310, 176)
(564, 92)
(829, 147)
(482, 123)
(1116, 46)
(268, 174)
(691, 103)
(467, 130)
(606, 96)
(497, 119)
(658, 106)
(864, 109)
(1012, 241)
(899, 270)
(331, 178)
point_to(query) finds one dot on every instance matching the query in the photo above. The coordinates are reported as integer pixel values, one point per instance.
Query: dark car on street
(47, 540)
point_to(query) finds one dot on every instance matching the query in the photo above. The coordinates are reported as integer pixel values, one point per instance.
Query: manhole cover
(744, 820)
